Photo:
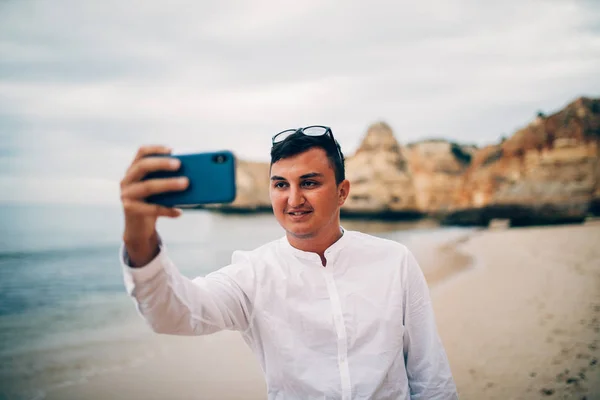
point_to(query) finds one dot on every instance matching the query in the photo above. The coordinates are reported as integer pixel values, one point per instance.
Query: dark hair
(299, 143)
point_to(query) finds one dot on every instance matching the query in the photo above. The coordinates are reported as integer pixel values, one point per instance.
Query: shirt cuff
(146, 272)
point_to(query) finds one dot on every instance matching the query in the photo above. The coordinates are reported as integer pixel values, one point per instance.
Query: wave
(58, 253)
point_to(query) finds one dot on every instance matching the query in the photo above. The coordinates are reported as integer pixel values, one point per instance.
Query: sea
(64, 312)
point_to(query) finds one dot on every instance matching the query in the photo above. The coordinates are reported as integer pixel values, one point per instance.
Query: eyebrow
(305, 176)
(312, 175)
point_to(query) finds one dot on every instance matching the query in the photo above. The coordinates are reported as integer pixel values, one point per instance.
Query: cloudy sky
(83, 84)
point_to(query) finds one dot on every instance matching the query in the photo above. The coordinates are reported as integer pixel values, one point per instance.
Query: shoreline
(517, 310)
(520, 214)
(523, 323)
(454, 261)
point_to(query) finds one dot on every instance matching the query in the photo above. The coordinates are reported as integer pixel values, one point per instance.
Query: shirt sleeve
(174, 304)
(427, 366)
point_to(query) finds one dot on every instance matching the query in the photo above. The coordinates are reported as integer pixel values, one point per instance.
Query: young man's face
(304, 195)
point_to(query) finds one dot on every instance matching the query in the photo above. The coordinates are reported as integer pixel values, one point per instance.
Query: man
(329, 313)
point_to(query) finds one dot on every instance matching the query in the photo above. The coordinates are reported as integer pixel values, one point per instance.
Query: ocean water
(64, 313)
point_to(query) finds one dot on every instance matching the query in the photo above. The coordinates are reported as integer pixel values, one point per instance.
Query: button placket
(341, 334)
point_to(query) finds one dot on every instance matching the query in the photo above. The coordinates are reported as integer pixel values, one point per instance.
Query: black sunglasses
(313, 130)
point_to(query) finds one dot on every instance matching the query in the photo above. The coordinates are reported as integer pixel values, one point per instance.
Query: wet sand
(523, 323)
(518, 311)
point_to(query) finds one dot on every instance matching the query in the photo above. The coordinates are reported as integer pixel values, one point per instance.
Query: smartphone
(211, 180)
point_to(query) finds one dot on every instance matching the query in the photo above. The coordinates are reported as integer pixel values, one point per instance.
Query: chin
(300, 232)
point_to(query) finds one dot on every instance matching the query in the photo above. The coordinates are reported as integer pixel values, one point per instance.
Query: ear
(343, 191)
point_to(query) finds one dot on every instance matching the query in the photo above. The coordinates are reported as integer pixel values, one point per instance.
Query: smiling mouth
(298, 213)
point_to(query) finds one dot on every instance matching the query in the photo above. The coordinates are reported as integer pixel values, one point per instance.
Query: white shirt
(360, 328)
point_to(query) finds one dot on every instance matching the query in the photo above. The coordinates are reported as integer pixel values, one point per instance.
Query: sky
(84, 84)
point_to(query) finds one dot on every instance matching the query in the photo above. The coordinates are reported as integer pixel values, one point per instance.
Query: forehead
(312, 160)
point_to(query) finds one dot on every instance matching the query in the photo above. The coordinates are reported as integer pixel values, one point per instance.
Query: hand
(140, 237)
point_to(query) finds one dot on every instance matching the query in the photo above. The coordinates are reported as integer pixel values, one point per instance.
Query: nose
(296, 198)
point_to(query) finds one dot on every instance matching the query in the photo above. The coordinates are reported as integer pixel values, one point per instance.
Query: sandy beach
(517, 309)
(523, 323)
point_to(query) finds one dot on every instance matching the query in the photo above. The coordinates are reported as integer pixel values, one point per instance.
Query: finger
(149, 164)
(152, 149)
(150, 210)
(141, 190)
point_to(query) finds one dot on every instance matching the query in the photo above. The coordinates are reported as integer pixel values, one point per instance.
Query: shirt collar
(330, 253)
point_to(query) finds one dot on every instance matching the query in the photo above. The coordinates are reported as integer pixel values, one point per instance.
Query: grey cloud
(94, 80)
(230, 48)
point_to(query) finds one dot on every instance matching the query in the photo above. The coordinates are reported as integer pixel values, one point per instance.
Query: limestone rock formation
(379, 175)
(546, 172)
(437, 167)
(252, 186)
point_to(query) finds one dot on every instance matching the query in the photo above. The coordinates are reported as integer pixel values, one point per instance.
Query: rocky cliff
(380, 176)
(252, 188)
(437, 167)
(548, 171)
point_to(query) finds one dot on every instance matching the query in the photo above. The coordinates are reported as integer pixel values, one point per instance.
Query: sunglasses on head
(313, 130)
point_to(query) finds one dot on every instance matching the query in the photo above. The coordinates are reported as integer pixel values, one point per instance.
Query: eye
(309, 184)
(280, 185)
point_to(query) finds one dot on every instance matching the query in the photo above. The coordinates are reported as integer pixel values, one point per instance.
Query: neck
(318, 243)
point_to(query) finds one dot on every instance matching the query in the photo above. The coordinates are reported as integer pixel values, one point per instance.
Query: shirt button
(343, 358)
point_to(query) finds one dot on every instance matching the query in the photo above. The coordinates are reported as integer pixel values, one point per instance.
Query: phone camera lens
(220, 159)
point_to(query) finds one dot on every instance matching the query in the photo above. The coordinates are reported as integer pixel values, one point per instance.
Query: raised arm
(174, 304)
(170, 302)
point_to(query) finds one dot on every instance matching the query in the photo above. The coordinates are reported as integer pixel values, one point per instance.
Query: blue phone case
(211, 177)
